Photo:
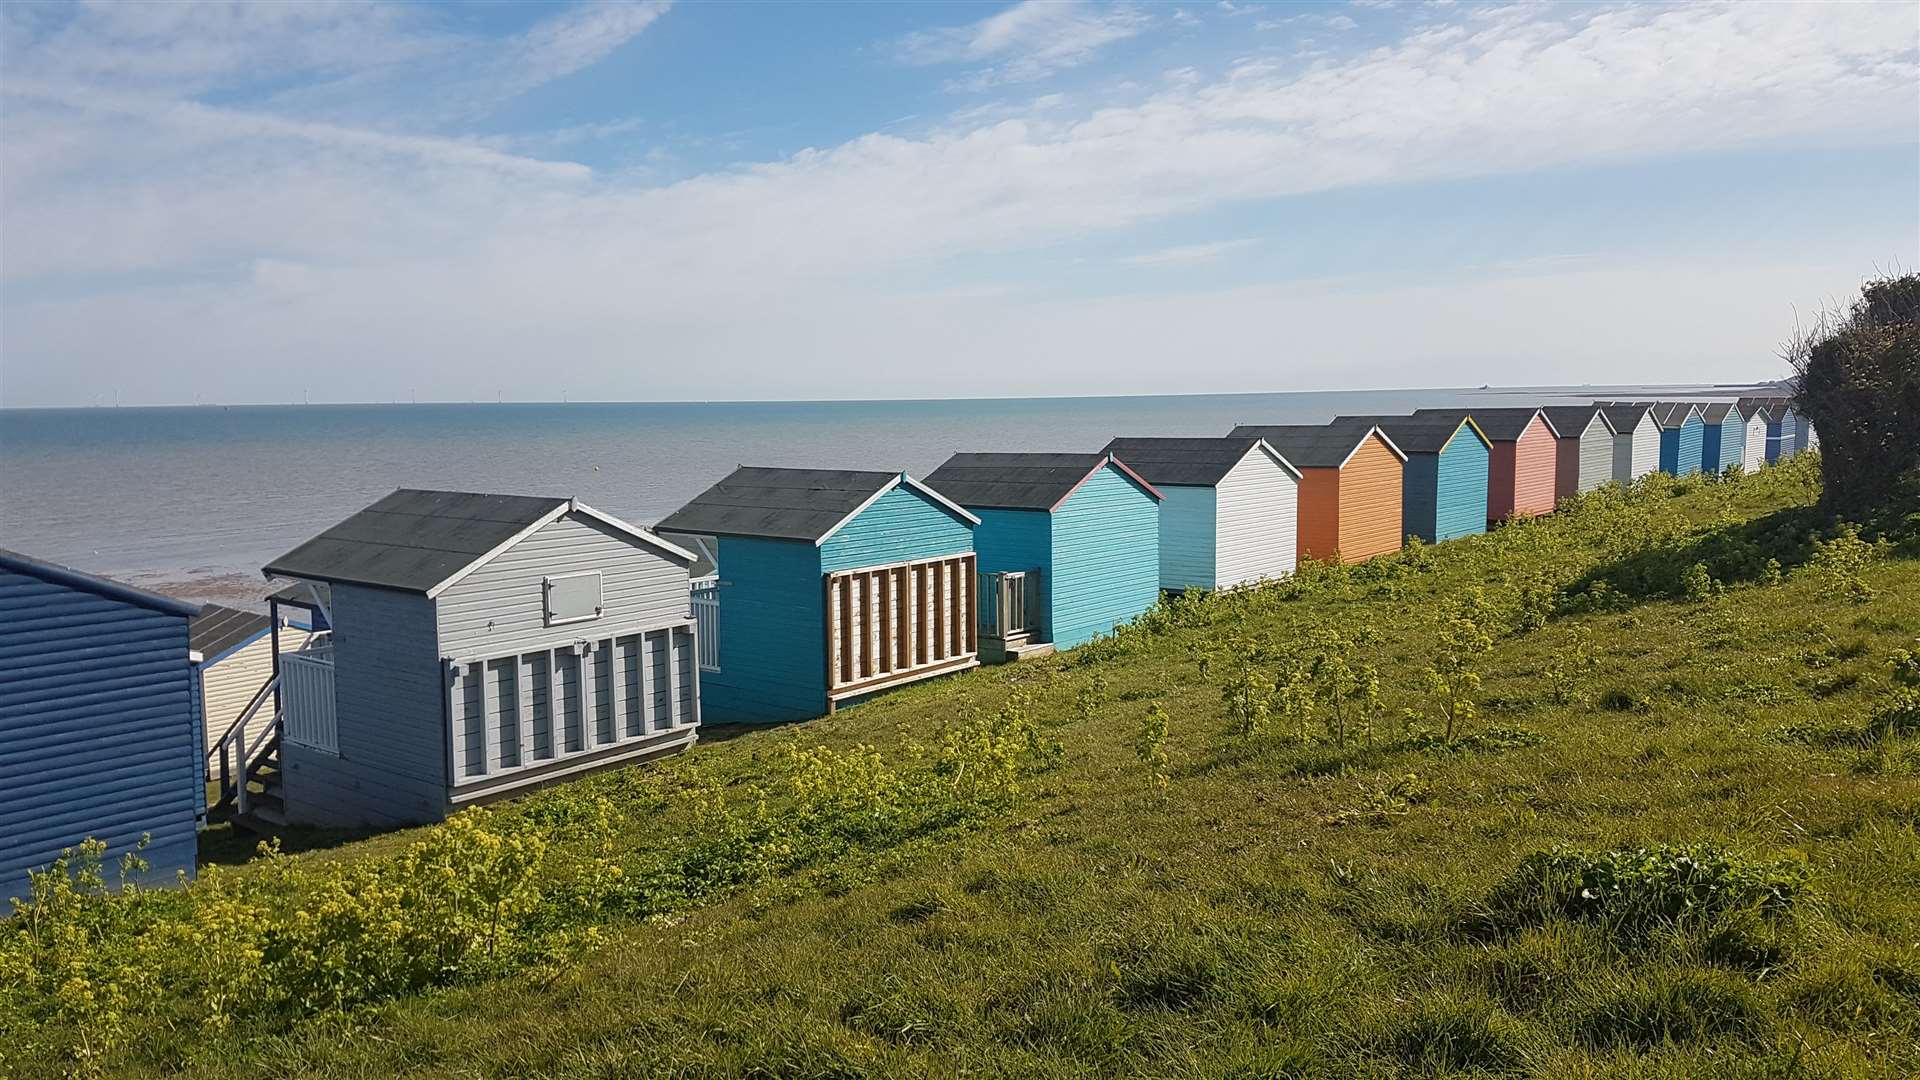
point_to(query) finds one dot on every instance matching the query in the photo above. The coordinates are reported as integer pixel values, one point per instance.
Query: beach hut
(833, 585)
(1753, 438)
(1068, 545)
(236, 650)
(1782, 421)
(1681, 434)
(1229, 512)
(99, 723)
(1523, 464)
(1584, 450)
(1636, 440)
(1723, 438)
(1443, 488)
(1350, 479)
(479, 645)
(1804, 437)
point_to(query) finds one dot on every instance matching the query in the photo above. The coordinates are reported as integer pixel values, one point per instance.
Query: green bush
(1630, 893)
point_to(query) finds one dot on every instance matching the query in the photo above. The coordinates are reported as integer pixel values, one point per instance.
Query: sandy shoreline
(247, 592)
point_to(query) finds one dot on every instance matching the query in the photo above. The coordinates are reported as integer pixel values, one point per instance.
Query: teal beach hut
(1723, 442)
(1069, 545)
(832, 585)
(1444, 485)
(1681, 435)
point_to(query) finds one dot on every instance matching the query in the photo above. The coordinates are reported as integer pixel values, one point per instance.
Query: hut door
(893, 624)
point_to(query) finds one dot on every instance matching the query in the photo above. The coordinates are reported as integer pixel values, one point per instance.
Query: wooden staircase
(248, 770)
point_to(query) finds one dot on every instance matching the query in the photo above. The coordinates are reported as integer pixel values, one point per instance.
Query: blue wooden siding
(1680, 447)
(1779, 440)
(1189, 526)
(1017, 540)
(900, 526)
(773, 660)
(1723, 444)
(1419, 490)
(1461, 488)
(1106, 558)
(97, 730)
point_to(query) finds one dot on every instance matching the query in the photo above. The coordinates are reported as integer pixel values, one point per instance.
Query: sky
(254, 202)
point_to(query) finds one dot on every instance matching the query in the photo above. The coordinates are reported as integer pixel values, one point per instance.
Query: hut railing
(234, 756)
(892, 624)
(706, 622)
(307, 713)
(1006, 606)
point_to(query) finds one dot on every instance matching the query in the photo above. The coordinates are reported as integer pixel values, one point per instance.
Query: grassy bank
(1672, 833)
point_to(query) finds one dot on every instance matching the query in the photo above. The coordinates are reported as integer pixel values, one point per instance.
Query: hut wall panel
(772, 648)
(501, 607)
(1460, 488)
(1636, 453)
(1258, 503)
(1106, 558)
(1753, 451)
(1680, 447)
(1319, 525)
(1370, 502)
(1189, 531)
(900, 526)
(1711, 436)
(389, 690)
(1500, 465)
(1420, 496)
(1566, 467)
(1803, 436)
(1732, 445)
(1536, 454)
(98, 733)
(1022, 540)
(1596, 455)
(1779, 440)
(228, 685)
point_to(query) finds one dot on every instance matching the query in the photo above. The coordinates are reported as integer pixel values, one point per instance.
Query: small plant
(1570, 668)
(1088, 698)
(1841, 559)
(1382, 802)
(1697, 583)
(1150, 744)
(1248, 697)
(1630, 893)
(1454, 677)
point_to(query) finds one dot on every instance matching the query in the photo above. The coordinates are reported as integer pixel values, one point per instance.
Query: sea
(192, 501)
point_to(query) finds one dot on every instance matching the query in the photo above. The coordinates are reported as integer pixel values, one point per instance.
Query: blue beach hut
(1681, 434)
(1782, 424)
(100, 727)
(1444, 485)
(1723, 442)
(832, 585)
(1069, 545)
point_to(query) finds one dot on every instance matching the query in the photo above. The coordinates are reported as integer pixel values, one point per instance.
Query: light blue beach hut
(1723, 442)
(1069, 545)
(1782, 423)
(832, 585)
(1681, 433)
(1444, 485)
(100, 726)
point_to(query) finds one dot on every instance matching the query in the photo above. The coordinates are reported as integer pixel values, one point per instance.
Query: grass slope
(1282, 905)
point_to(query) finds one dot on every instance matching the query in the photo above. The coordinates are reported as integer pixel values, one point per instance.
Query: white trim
(1258, 444)
(1362, 441)
(1553, 429)
(635, 531)
(895, 482)
(539, 523)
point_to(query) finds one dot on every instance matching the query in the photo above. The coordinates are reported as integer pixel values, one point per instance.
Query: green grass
(1282, 907)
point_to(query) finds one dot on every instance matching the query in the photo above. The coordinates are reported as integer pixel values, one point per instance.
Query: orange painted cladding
(1370, 489)
(1535, 461)
(1317, 531)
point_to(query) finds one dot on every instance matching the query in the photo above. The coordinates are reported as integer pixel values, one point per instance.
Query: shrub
(1860, 385)
(1630, 893)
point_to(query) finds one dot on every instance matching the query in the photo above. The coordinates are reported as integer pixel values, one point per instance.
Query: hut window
(573, 597)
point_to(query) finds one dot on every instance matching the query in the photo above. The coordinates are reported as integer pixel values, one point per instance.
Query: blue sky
(252, 203)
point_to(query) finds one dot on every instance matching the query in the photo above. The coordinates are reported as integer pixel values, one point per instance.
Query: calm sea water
(170, 495)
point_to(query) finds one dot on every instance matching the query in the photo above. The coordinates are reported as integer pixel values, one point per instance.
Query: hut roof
(1673, 414)
(791, 504)
(219, 630)
(1498, 425)
(1427, 432)
(1626, 415)
(1570, 421)
(85, 582)
(1022, 481)
(424, 541)
(1195, 462)
(1318, 446)
(1716, 412)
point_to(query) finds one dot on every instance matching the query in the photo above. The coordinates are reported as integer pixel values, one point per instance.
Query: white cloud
(1027, 41)
(167, 245)
(1185, 254)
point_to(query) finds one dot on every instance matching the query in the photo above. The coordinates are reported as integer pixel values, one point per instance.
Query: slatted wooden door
(894, 624)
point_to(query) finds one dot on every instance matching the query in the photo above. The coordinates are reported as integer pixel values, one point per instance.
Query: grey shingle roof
(1499, 425)
(1426, 432)
(219, 630)
(1716, 412)
(777, 504)
(1012, 481)
(1626, 416)
(1311, 446)
(1571, 421)
(1762, 405)
(1672, 414)
(1200, 462)
(413, 540)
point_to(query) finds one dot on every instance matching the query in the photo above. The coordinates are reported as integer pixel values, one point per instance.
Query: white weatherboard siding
(1257, 504)
(1638, 453)
(1753, 455)
(228, 686)
(1187, 537)
(500, 608)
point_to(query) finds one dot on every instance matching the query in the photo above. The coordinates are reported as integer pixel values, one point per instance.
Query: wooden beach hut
(1523, 464)
(833, 585)
(1229, 513)
(1584, 448)
(1443, 488)
(99, 723)
(1781, 421)
(480, 644)
(1350, 486)
(1068, 545)
(1636, 440)
(1681, 434)
(1753, 439)
(1723, 437)
(1804, 436)
(236, 650)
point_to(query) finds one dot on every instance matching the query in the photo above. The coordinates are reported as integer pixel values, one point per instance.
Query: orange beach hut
(1350, 477)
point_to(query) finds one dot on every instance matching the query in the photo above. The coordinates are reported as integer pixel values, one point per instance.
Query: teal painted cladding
(1680, 447)
(1106, 558)
(773, 660)
(900, 526)
(1017, 540)
(1189, 526)
(1418, 490)
(1460, 488)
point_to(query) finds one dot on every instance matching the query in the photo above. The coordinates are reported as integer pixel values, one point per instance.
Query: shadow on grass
(225, 844)
(1743, 553)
